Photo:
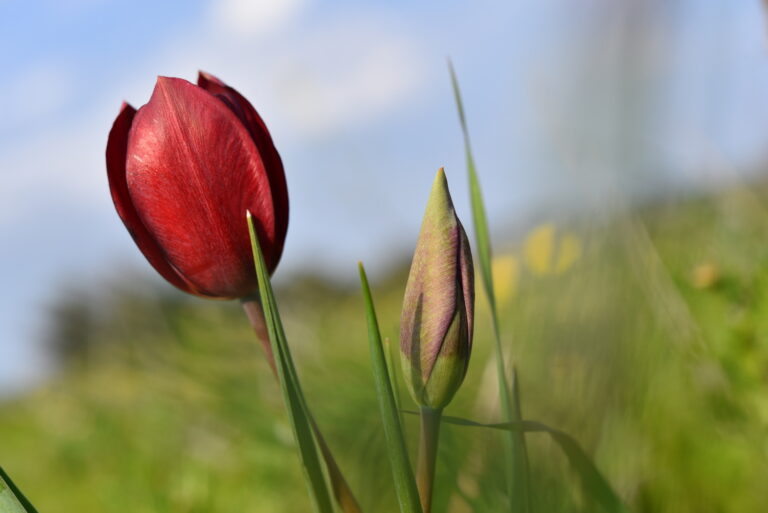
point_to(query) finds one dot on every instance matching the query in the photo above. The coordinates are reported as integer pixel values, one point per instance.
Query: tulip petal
(192, 172)
(243, 109)
(116, 158)
(449, 369)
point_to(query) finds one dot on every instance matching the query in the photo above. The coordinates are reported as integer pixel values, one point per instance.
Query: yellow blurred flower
(506, 273)
(546, 251)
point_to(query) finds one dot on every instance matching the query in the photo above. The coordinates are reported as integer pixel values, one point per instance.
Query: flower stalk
(429, 435)
(341, 490)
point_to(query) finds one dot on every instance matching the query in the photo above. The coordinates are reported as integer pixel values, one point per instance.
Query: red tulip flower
(183, 170)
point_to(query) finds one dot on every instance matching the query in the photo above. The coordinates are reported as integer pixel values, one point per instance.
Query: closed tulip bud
(438, 309)
(183, 170)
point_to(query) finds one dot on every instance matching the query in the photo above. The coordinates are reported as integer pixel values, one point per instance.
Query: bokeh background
(622, 150)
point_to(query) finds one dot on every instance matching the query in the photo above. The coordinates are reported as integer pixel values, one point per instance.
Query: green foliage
(11, 498)
(289, 384)
(402, 473)
(593, 483)
(651, 350)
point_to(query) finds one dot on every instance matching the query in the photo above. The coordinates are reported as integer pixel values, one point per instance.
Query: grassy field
(645, 336)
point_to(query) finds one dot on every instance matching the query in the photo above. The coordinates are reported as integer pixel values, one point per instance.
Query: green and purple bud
(438, 309)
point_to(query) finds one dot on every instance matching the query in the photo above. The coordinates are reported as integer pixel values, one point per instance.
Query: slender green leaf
(391, 354)
(480, 221)
(592, 481)
(341, 490)
(289, 384)
(402, 473)
(11, 498)
(518, 483)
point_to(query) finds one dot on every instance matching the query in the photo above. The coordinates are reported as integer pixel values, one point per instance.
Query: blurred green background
(621, 145)
(644, 337)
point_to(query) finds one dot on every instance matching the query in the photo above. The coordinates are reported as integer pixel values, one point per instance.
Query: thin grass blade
(591, 480)
(289, 385)
(391, 351)
(11, 498)
(402, 473)
(517, 470)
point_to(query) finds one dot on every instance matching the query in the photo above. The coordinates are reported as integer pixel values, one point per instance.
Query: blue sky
(357, 98)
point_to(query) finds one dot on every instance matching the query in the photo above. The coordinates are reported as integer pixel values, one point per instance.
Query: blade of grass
(402, 473)
(341, 489)
(289, 384)
(516, 460)
(592, 481)
(11, 498)
(390, 353)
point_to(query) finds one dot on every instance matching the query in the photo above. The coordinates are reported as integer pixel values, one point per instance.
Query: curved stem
(341, 490)
(428, 439)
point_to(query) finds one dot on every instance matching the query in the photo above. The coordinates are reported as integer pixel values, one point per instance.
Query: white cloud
(254, 17)
(342, 79)
(314, 81)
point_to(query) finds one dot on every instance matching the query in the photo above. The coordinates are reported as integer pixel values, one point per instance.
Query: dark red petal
(116, 157)
(193, 172)
(260, 135)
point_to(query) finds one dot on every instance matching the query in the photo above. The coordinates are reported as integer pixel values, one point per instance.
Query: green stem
(428, 440)
(341, 489)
